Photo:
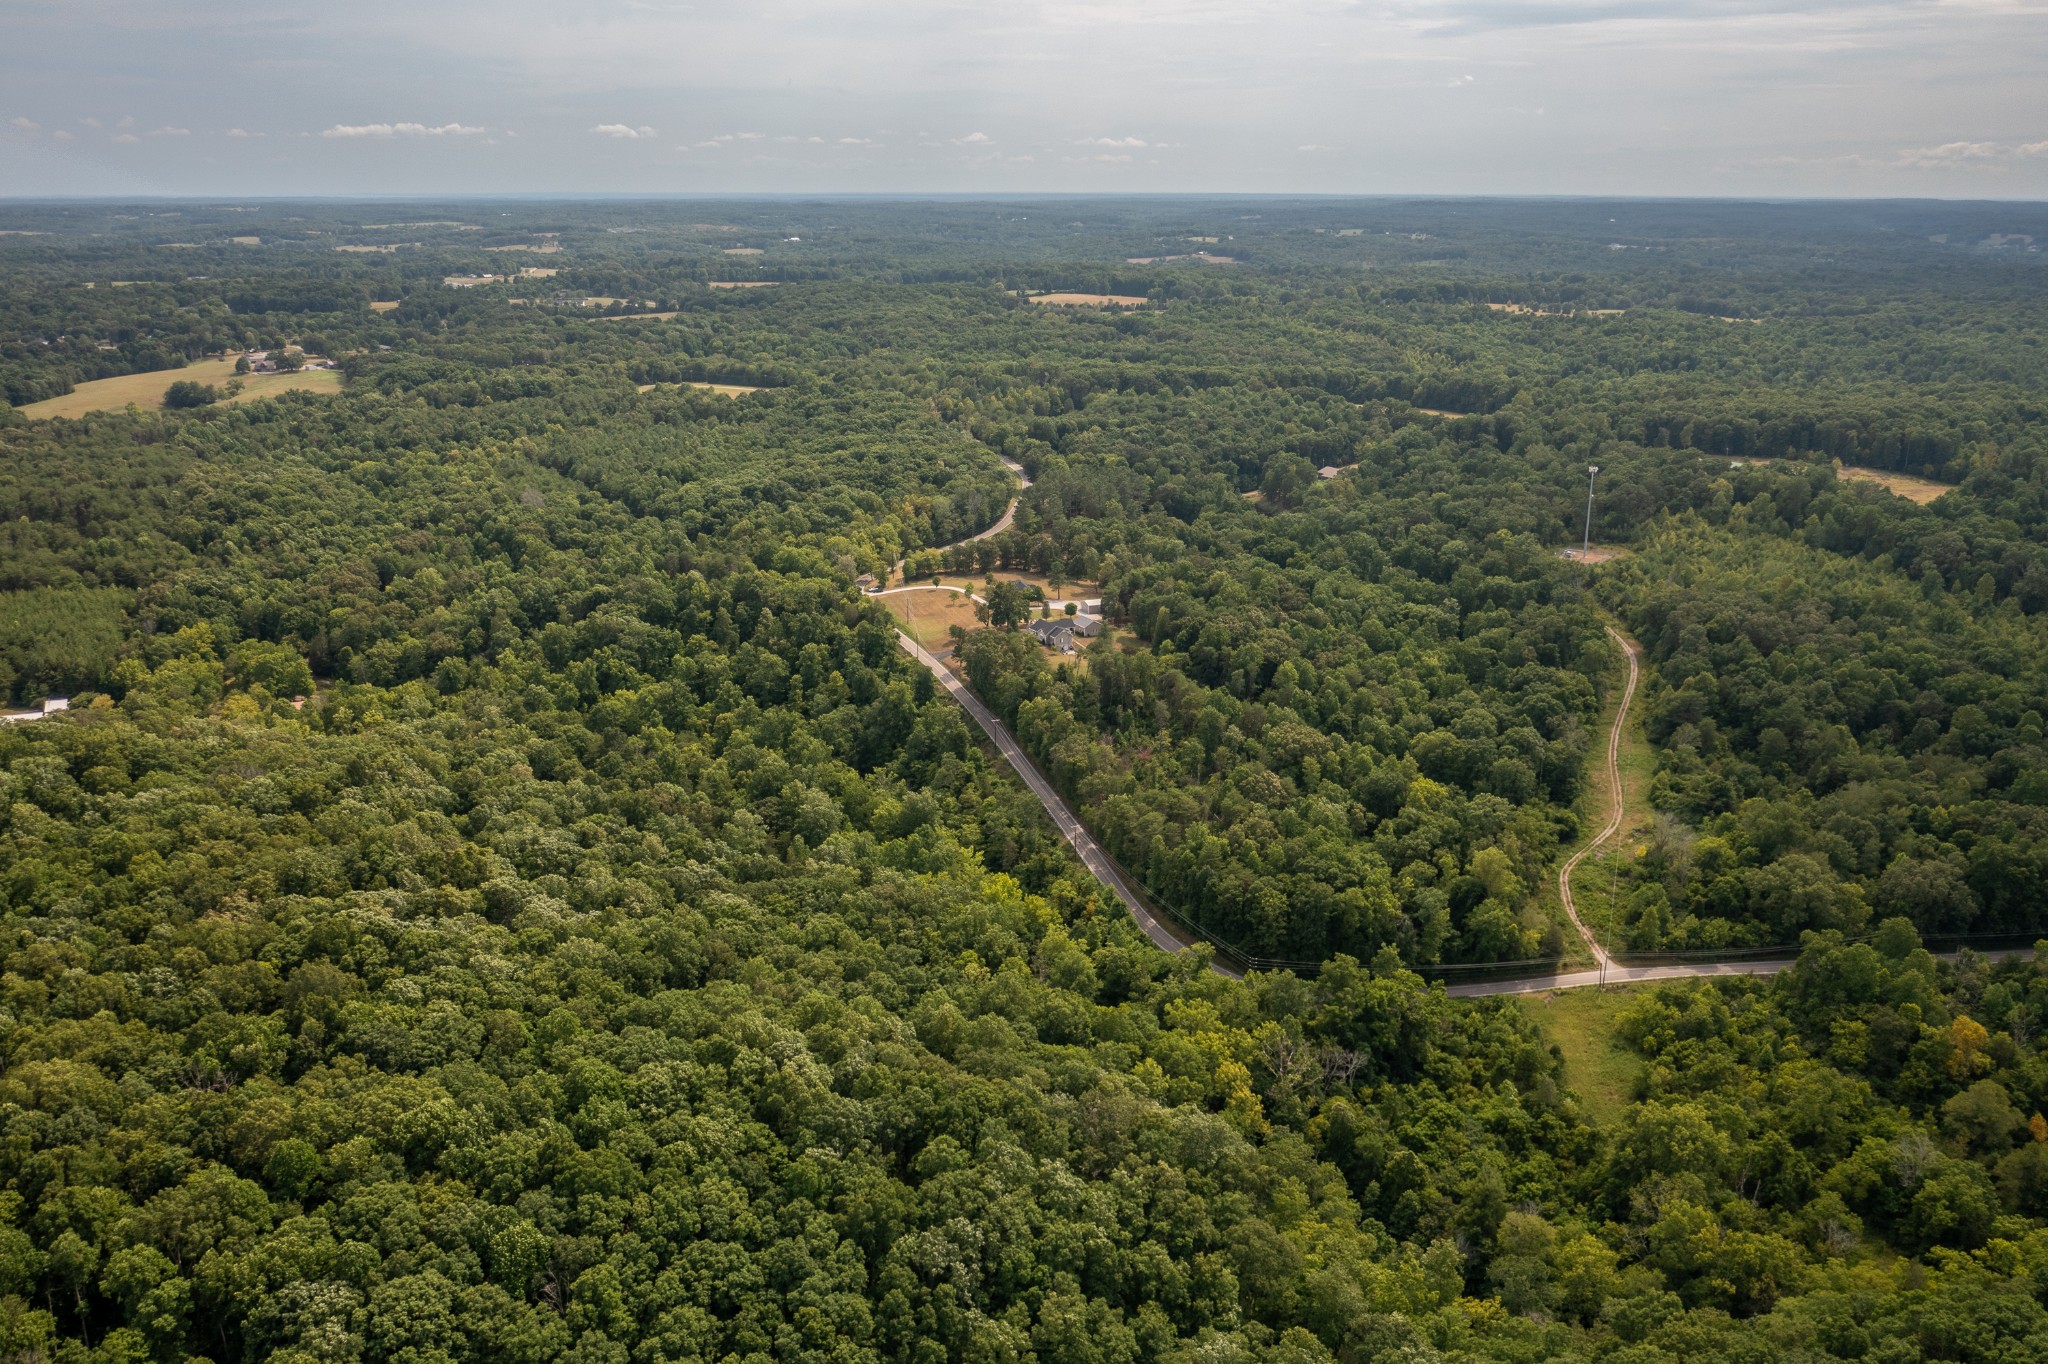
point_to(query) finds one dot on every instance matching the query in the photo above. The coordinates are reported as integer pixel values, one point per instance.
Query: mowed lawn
(1584, 1025)
(928, 615)
(147, 390)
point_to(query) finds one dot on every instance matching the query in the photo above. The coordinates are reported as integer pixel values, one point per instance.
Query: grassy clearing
(1090, 300)
(1585, 1026)
(1921, 490)
(270, 385)
(147, 390)
(929, 617)
(1597, 886)
(1908, 486)
(1593, 882)
(742, 284)
(1069, 590)
(385, 306)
(728, 390)
(1527, 311)
(638, 317)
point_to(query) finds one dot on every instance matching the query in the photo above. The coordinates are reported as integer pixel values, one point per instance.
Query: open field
(1909, 486)
(1921, 490)
(147, 390)
(742, 250)
(729, 390)
(384, 306)
(1199, 257)
(1439, 412)
(637, 317)
(929, 616)
(1528, 311)
(545, 248)
(1090, 300)
(742, 283)
(1068, 589)
(1582, 1024)
(386, 247)
(1598, 554)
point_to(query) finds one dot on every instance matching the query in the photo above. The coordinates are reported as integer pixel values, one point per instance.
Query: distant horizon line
(962, 196)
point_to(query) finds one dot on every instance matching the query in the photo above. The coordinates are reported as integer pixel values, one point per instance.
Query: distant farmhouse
(51, 705)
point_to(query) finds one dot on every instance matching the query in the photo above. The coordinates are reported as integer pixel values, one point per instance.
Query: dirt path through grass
(1617, 799)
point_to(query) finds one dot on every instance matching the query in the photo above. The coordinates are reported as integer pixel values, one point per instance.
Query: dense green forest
(499, 891)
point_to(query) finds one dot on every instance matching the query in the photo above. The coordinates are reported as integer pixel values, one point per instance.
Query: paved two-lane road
(1606, 970)
(1083, 843)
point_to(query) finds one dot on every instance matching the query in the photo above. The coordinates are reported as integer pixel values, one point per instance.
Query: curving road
(1002, 523)
(1606, 971)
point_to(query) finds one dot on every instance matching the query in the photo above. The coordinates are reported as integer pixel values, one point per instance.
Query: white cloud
(622, 130)
(127, 122)
(856, 142)
(170, 132)
(2032, 149)
(241, 132)
(128, 139)
(974, 140)
(61, 135)
(27, 125)
(1951, 154)
(399, 130)
(1112, 142)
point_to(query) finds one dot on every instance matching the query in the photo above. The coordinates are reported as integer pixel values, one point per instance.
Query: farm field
(742, 283)
(147, 390)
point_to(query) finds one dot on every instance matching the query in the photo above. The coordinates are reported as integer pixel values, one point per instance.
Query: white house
(51, 705)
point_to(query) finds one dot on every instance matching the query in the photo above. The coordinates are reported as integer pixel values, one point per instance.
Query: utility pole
(1592, 471)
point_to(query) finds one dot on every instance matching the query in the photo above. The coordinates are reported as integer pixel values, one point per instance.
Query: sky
(1944, 98)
